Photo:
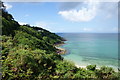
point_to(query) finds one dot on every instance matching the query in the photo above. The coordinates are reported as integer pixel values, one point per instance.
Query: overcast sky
(87, 17)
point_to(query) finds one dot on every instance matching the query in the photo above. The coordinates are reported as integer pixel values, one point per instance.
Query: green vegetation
(28, 53)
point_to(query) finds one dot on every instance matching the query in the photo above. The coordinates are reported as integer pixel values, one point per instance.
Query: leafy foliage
(28, 53)
(33, 42)
(91, 67)
(107, 73)
(8, 24)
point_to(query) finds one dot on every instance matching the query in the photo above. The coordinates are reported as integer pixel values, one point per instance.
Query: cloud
(41, 24)
(50, 26)
(115, 29)
(88, 10)
(26, 15)
(109, 9)
(84, 14)
(109, 16)
(69, 5)
(87, 29)
(80, 15)
(8, 6)
(22, 23)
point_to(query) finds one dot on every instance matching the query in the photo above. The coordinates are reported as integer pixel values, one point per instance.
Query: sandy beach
(79, 66)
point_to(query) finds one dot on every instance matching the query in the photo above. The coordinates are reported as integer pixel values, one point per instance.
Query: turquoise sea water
(91, 48)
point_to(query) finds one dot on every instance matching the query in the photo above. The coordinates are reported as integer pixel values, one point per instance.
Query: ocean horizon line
(87, 33)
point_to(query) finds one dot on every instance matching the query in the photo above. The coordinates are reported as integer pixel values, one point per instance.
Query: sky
(67, 17)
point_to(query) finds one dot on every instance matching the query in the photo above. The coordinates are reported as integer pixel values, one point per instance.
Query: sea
(100, 49)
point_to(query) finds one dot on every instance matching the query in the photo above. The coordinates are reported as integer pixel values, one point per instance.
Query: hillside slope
(28, 53)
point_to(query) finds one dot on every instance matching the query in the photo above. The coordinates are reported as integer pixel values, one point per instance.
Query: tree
(2, 6)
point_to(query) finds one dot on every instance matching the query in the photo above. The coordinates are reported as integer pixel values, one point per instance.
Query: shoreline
(85, 67)
(80, 66)
(60, 51)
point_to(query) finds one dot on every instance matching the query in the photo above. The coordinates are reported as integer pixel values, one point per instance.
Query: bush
(91, 67)
(106, 73)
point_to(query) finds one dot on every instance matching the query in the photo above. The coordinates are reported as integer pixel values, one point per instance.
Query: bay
(85, 49)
